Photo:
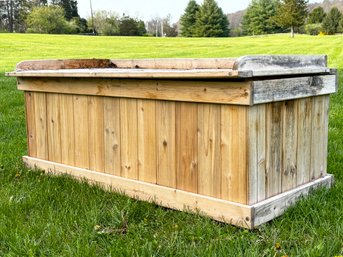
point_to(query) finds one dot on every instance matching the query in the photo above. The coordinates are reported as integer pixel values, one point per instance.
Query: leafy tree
(211, 21)
(69, 6)
(317, 15)
(258, 18)
(188, 19)
(131, 27)
(49, 20)
(291, 14)
(105, 23)
(332, 21)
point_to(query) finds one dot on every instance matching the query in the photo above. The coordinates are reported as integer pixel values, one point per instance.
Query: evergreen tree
(258, 18)
(188, 19)
(69, 6)
(291, 14)
(332, 21)
(317, 15)
(211, 21)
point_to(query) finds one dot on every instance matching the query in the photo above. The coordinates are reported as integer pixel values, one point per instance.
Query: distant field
(47, 216)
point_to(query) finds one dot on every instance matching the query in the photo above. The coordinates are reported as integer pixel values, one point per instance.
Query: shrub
(313, 29)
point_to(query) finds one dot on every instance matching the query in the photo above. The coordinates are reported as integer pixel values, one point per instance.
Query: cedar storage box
(237, 139)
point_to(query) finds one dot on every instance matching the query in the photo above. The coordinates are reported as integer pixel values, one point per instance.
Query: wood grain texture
(67, 129)
(166, 143)
(147, 154)
(81, 122)
(112, 135)
(96, 133)
(234, 153)
(187, 146)
(209, 156)
(274, 148)
(41, 126)
(192, 91)
(304, 140)
(257, 154)
(54, 127)
(129, 138)
(30, 123)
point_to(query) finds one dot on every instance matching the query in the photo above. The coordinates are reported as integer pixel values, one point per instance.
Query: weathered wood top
(220, 68)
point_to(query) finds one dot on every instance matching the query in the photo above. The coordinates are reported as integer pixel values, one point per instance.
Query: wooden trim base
(225, 211)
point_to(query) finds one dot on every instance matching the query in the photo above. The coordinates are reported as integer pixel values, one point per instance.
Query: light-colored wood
(41, 126)
(129, 138)
(81, 122)
(54, 127)
(147, 168)
(304, 132)
(112, 135)
(96, 133)
(274, 148)
(209, 156)
(275, 206)
(234, 153)
(272, 90)
(257, 154)
(166, 144)
(289, 145)
(224, 211)
(30, 123)
(67, 129)
(187, 146)
(191, 91)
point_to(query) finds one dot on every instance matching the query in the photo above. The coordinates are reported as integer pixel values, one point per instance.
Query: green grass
(42, 215)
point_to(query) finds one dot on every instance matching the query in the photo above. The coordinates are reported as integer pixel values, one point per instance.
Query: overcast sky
(147, 9)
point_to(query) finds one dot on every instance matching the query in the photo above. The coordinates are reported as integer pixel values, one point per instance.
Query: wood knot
(205, 89)
(165, 143)
(128, 167)
(115, 147)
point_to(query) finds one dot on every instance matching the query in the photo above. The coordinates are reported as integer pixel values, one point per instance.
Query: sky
(147, 9)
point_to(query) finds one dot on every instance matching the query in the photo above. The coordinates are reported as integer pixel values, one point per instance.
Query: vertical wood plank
(209, 173)
(112, 135)
(147, 140)
(96, 133)
(187, 146)
(129, 140)
(67, 129)
(54, 127)
(326, 107)
(166, 148)
(30, 123)
(289, 145)
(274, 148)
(81, 131)
(234, 153)
(304, 140)
(257, 154)
(41, 126)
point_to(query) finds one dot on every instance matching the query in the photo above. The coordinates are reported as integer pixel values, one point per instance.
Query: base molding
(247, 216)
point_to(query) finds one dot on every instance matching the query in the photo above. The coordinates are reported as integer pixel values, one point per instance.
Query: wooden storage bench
(237, 139)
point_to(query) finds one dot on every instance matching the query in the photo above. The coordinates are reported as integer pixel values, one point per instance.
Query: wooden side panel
(209, 173)
(147, 140)
(129, 138)
(41, 126)
(54, 127)
(96, 133)
(234, 153)
(319, 136)
(274, 148)
(30, 123)
(257, 154)
(112, 136)
(304, 140)
(187, 146)
(67, 129)
(289, 145)
(81, 122)
(166, 144)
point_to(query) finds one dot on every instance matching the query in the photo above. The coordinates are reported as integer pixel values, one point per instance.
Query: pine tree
(291, 14)
(188, 19)
(317, 15)
(332, 21)
(211, 21)
(258, 18)
(69, 6)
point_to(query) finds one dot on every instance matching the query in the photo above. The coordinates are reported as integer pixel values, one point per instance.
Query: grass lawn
(42, 215)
